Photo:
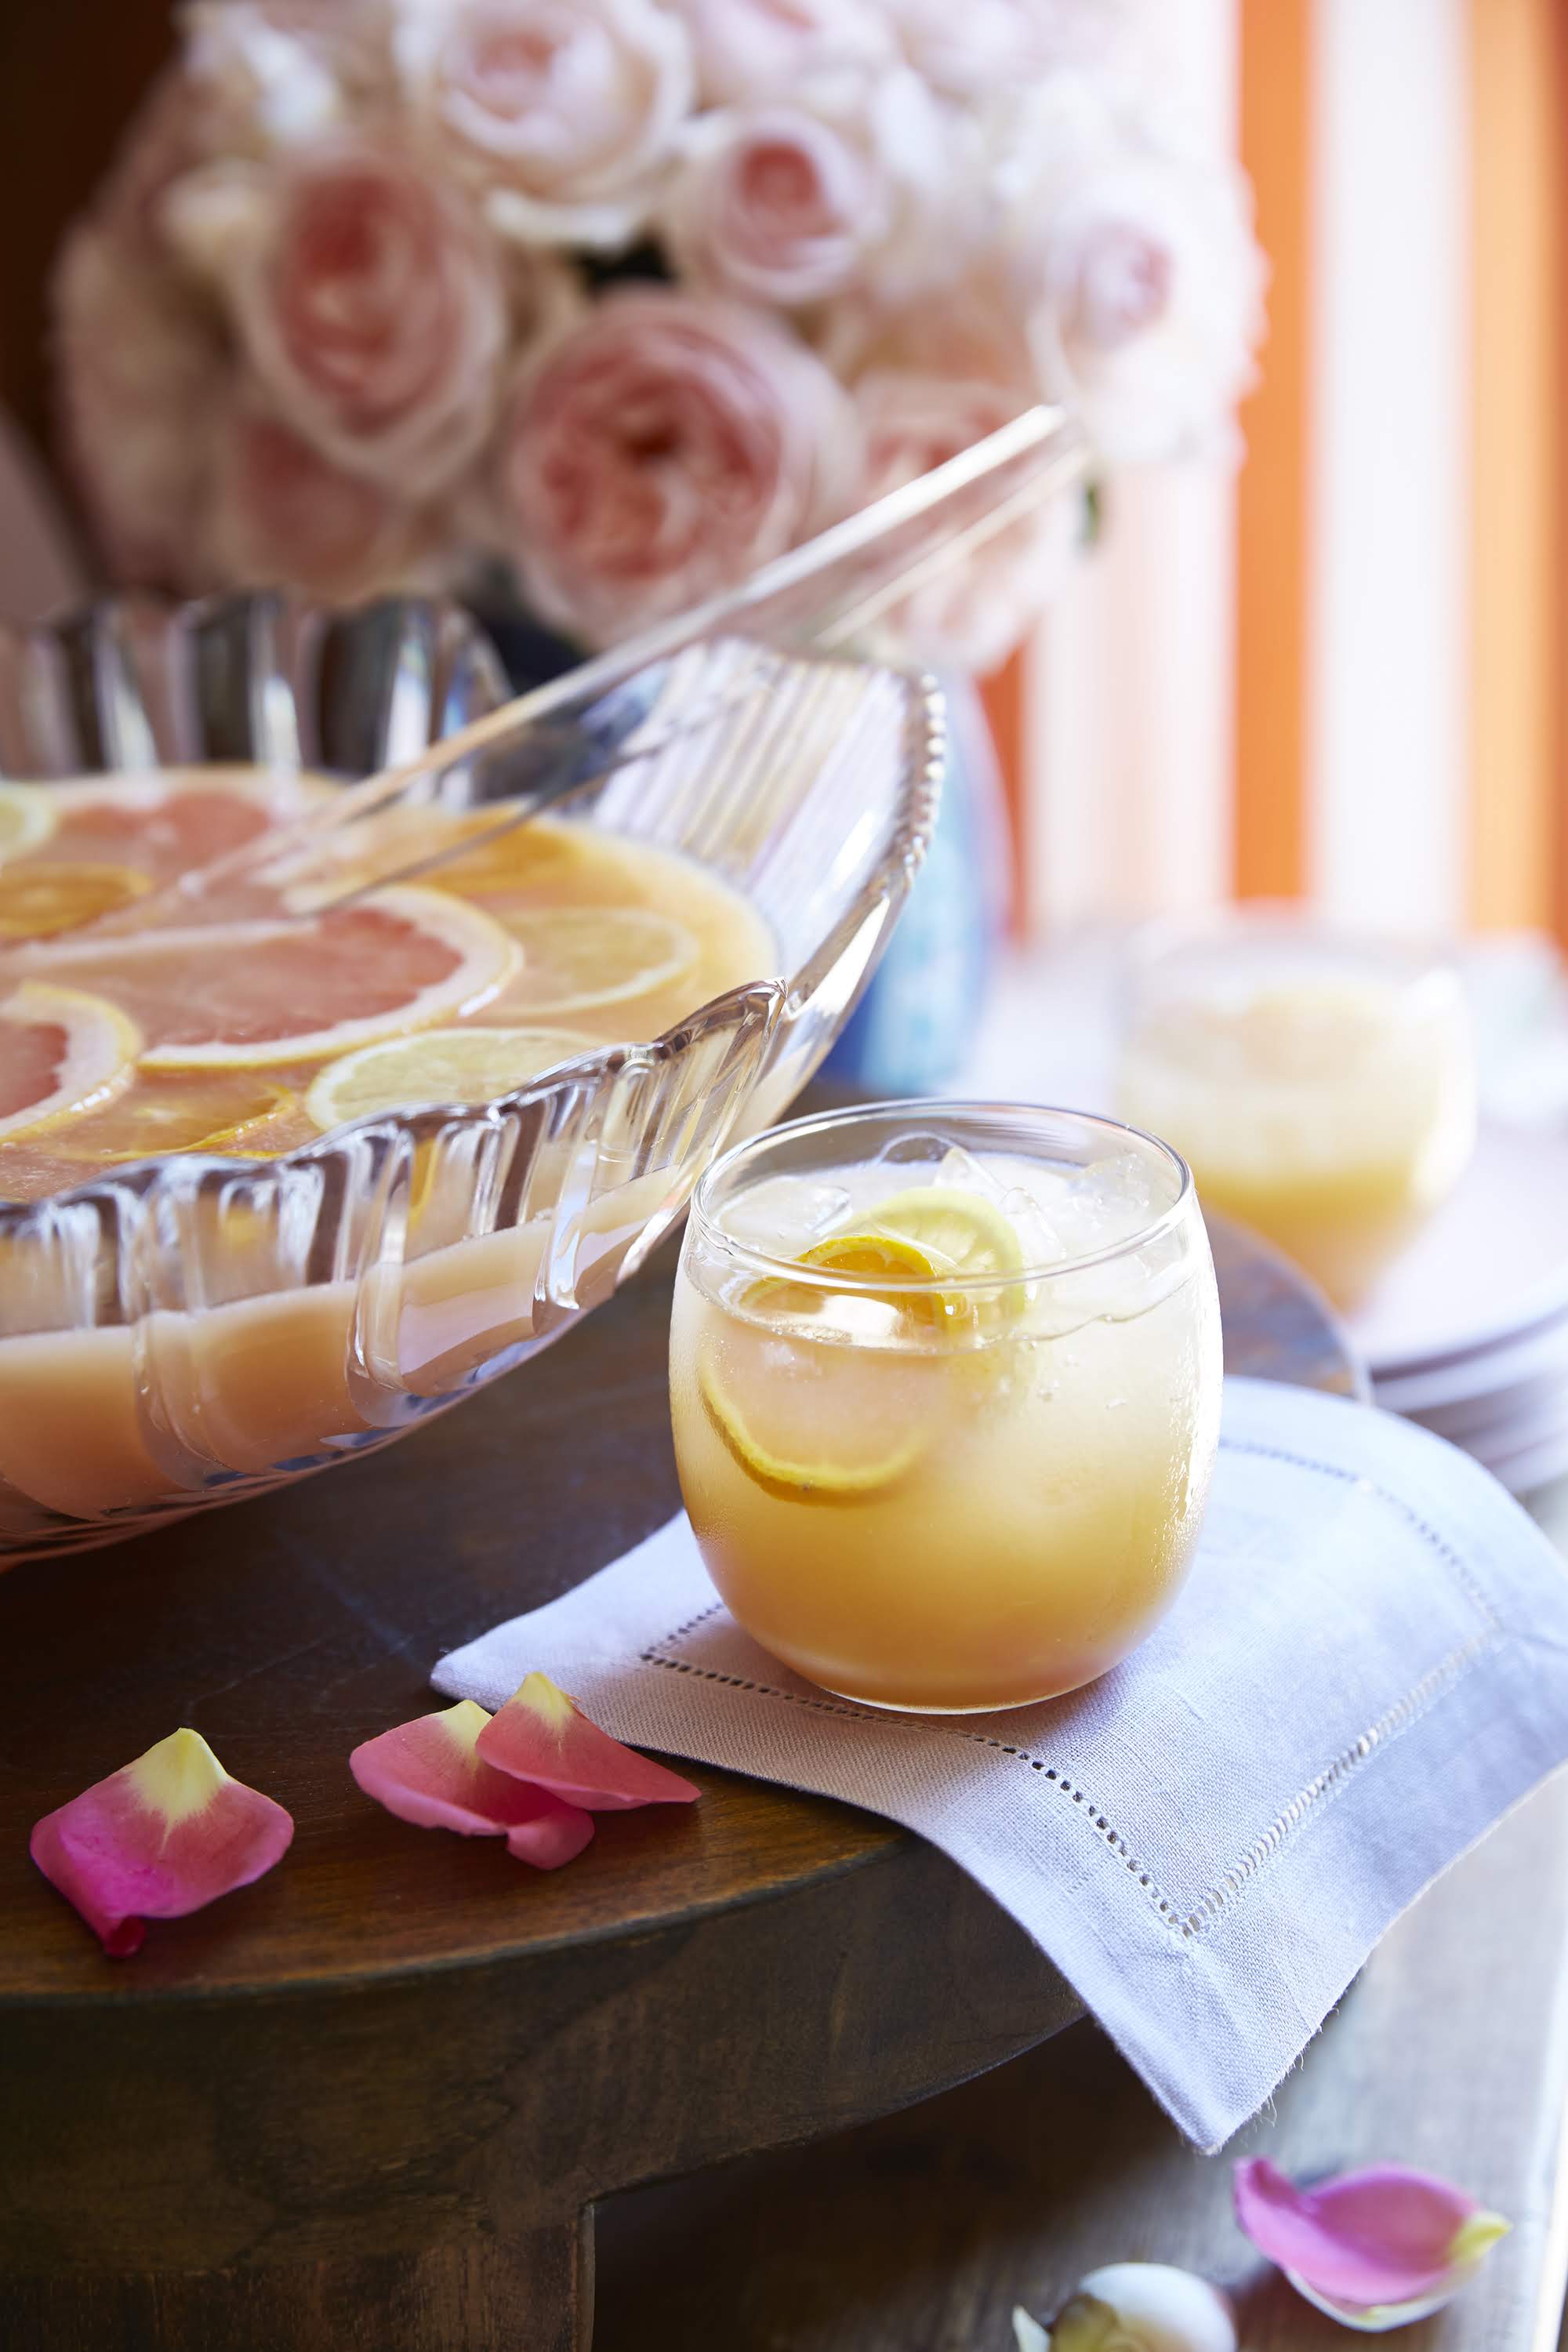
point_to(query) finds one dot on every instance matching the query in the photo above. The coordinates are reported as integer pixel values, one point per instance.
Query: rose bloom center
(508, 70)
(1124, 287)
(777, 178)
(362, 286)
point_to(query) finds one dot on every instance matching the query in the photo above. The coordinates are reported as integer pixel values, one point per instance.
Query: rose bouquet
(621, 298)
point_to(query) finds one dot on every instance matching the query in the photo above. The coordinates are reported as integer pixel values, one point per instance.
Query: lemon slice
(467, 852)
(235, 1113)
(40, 899)
(930, 1235)
(814, 1429)
(65, 1053)
(26, 818)
(961, 1231)
(806, 1419)
(538, 854)
(438, 1065)
(872, 1258)
(576, 957)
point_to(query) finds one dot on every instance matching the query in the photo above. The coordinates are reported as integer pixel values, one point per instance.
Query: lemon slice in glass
(438, 1065)
(802, 1417)
(932, 1233)
(577, 957)
(26, 818)
(960, 1232)
(872, 1258)
(811, 1431)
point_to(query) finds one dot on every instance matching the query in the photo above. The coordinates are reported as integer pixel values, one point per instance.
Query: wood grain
(298, 1624)
(921, 2232)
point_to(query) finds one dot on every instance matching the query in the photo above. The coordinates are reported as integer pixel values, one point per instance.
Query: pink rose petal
(1369, 2245)
(161, 1837)
(429, 1772)
(661, 449)
(541, 1735)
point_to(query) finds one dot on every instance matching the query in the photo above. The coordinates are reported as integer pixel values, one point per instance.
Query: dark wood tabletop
(392, 2077)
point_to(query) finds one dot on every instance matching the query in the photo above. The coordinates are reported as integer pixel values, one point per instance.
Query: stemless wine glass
(1322, 1086)
(945, 1386)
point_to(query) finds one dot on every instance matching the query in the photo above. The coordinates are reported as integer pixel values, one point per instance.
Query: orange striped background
(1516, 839)
(1518, 834)
(1272, 540)
(1518, 284)
(1003, 697)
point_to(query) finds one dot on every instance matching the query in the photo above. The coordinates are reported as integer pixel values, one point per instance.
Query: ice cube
(1106, 1201)
(915, 1152)
(998, 1182)
(1040, 1237)
(967, 1174)
(827, 1208)
(784, 1216)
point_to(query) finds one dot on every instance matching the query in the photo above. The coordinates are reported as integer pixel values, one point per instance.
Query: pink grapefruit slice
(174, 820)
(253, 993)
(61, 1052)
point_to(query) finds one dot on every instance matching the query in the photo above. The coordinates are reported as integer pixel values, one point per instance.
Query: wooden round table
(370, 2102)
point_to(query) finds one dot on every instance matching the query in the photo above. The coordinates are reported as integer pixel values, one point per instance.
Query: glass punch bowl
(191, 1330)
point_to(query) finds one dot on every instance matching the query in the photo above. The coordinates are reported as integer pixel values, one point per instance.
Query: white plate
(1535, 1467)
(1489, 1418)
(1494, 1452)
(1541, 1421)
(1492, 1263)
(1539, 1354)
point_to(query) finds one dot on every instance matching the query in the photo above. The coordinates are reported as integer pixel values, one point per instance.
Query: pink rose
(1134, 263)
(913, 422)
(854, 180)
(967, 48)
(971, 613)
(143, 373)
(663, 450)
(564, 111)
(160, 143)
(284, 516)
(369, 302)
(760, 49)
(268, 74)
(976, 333)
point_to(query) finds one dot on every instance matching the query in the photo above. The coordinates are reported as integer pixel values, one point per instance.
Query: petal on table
(430, 1772)
(1153, 2307)
(158, 1839)
(1374, 2249)
(541, 1735)
(1134, 2307)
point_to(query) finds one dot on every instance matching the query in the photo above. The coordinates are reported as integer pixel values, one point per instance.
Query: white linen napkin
(1367, 1668)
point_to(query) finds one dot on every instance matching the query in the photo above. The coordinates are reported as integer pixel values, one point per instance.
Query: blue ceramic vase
(914, 1029)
